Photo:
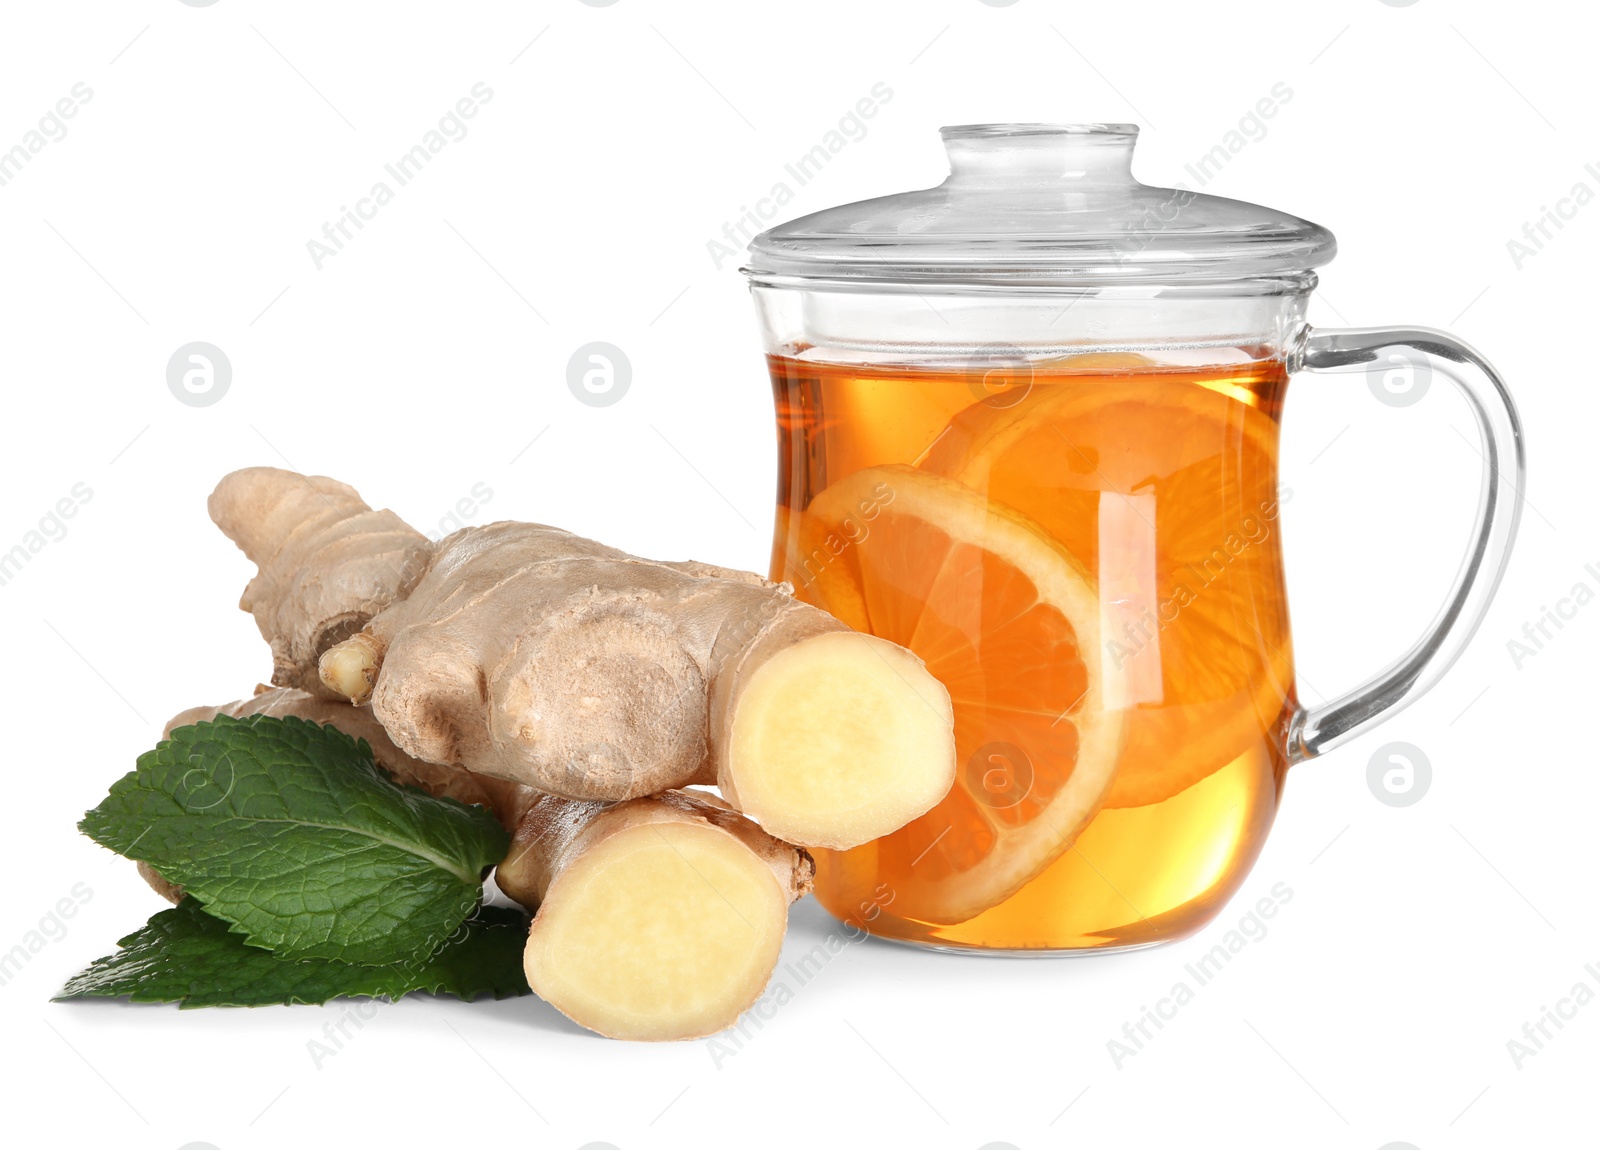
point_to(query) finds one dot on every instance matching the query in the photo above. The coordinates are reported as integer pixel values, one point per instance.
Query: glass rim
(1110, 131)
(1298, 281)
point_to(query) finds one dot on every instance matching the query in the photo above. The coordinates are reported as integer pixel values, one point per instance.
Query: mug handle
(1318, 729)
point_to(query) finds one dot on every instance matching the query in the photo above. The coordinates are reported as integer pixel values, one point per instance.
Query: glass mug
(1028, 427)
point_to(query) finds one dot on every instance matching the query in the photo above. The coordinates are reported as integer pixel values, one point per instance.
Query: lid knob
(1005, 155)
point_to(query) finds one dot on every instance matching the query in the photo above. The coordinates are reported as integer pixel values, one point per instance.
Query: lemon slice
(1008, 621)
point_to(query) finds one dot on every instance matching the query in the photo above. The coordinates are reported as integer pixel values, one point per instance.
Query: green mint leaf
(184, 955)
(289, 831)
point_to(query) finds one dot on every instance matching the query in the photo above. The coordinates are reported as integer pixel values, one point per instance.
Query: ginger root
(656, 918)
(659, 918)
(328, 562)
(529, 654)
(170, 891)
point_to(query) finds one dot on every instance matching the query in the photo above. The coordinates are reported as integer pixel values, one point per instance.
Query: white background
(427, 355)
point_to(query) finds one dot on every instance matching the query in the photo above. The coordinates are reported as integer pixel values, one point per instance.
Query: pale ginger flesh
(529, 654)
(659, 918)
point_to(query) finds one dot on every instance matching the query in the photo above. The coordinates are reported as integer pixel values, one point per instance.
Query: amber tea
(1086, 553)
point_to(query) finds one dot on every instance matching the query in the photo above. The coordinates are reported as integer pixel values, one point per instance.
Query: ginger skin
(529, 654)
(684, 899)
(553, 831)
(328, 562)
(170, 891)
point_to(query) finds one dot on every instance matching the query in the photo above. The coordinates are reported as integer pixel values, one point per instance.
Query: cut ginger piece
(839, 739)
(659, 918)
(1008, 621)
(1202, 461)
(524, 653)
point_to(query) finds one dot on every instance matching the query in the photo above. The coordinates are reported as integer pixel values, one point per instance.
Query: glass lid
(1041, 205)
